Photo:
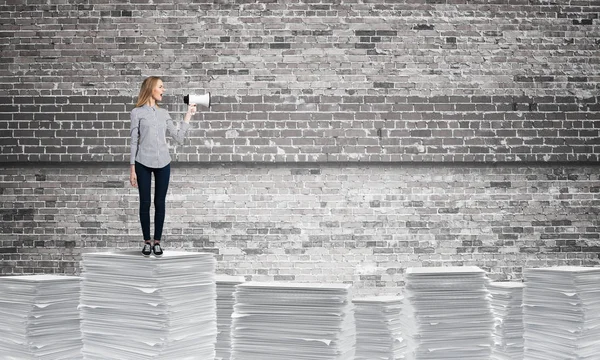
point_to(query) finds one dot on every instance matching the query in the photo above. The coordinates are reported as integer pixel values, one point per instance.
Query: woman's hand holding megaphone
(191, 111)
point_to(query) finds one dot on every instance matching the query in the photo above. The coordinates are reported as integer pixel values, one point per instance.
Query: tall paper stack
(292, 321)
(447, 314)
(39, 318)
(378, 328)
(225, 301)
(562, 313)
(507, 307)
(148, 308)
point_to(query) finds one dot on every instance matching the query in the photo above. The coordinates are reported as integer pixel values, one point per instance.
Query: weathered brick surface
(344, 80)
(363, 224)
(347, 140)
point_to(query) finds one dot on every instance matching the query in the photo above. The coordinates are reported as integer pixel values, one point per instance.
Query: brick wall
(350, 128)
(348, 139)
(305, 80)
(325, 222)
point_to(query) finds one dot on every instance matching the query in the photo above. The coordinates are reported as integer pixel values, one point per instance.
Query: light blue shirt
(149, 126)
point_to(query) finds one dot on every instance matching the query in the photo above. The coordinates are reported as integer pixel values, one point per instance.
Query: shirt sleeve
(177, 134)
(135, 125)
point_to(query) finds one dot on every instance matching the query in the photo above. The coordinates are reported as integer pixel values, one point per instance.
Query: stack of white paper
(507, 307)
(378, 328)
(447, 314)
(562, 313)
(225, 301)
(39, 318)
(292, 321)
(148, 308)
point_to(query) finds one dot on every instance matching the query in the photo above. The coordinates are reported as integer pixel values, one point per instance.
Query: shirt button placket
(156, 131)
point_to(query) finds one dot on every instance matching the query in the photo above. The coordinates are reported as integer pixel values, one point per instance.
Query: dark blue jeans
(144, 180)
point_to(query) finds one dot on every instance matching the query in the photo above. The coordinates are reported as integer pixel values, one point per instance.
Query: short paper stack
(562, 313)
(507, 307)
(225, 301)
(292, 321)
(378, 328)
(447, 314)
(148, 308)
(39, 318)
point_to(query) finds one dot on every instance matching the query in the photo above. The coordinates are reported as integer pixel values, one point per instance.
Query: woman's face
(158, 91)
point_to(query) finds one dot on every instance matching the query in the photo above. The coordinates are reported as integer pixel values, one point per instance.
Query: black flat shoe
(147, 250)
(157, 250)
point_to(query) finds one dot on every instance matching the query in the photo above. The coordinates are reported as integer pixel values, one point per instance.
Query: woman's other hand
(133, 177)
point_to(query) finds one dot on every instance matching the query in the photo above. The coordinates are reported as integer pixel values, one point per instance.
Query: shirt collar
(146, 106)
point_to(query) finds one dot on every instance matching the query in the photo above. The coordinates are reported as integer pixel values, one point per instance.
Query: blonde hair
(146, 90)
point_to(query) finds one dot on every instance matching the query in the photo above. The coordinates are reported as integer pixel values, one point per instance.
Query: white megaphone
(203, 100)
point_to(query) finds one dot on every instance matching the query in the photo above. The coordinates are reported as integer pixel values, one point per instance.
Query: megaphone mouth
(186, 99)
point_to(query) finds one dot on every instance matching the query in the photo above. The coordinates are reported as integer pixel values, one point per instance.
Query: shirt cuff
(185, 125)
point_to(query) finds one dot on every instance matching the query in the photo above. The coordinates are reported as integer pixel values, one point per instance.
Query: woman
(150, 155)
